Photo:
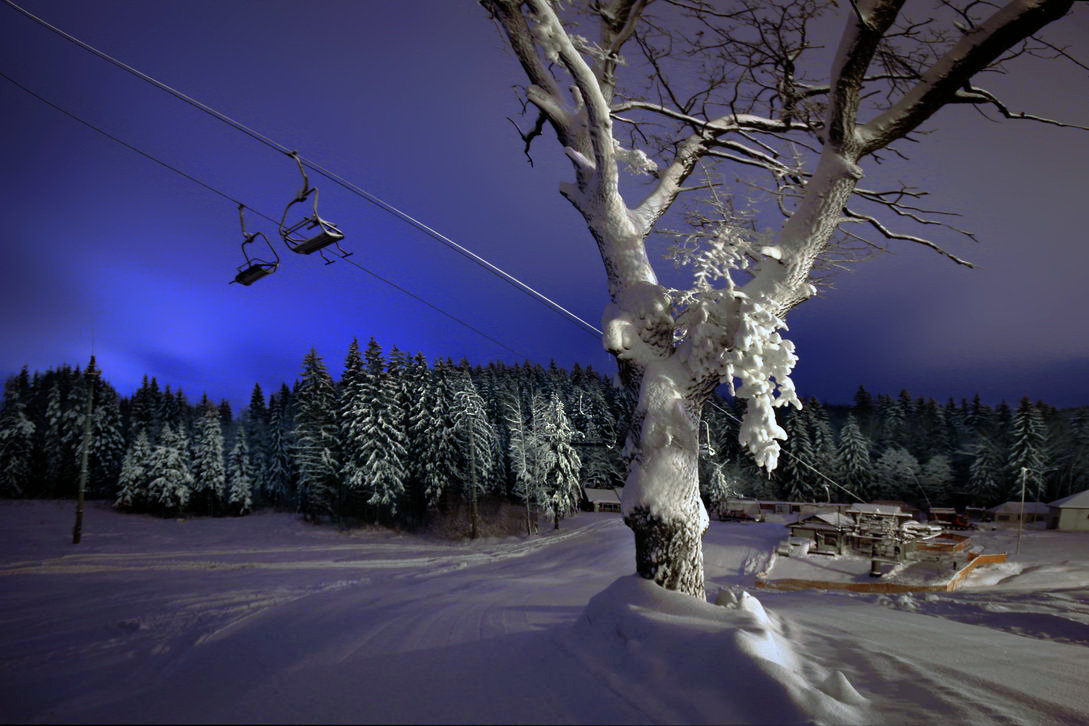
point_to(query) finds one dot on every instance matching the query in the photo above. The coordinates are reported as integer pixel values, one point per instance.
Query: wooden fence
(882, 587)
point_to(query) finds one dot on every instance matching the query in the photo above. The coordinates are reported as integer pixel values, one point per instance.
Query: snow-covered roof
(885, 509)
(603, 496)
(1015, 508)
(1074, 501)
(832, 519)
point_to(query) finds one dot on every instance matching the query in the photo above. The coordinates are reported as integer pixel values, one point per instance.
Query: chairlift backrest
(311, 233)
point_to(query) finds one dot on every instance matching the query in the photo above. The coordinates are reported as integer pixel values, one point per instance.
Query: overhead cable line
(223, 194)
(328, 174)
(358, 191)
(800, 460)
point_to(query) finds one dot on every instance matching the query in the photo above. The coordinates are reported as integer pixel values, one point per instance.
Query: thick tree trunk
(662, 505)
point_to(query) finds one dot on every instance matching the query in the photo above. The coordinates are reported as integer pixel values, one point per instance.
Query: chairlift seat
(328, 234)
(255, 272)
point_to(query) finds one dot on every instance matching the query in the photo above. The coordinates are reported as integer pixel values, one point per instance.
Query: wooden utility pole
(1021, 519)
(77, 531)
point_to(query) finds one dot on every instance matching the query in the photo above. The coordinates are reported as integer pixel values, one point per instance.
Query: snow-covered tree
(755, 101)
(316, 439)
(255, 427)
(279, 479)
(133, 482)
(522, 449)
(476, 436)
(438, 437)
(209, 473)
(382, 446)
(170, 481)
(16, 445)
(1027, 447)
(896, 474)
(240, 478)
(936, 477)
(557, 461)
(985, 472)
(854, 472)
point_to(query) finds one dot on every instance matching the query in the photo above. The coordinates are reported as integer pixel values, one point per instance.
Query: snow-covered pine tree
(209, 472)
(936, 478)
(985, 473)
(1027, 445)
(133, 493)
(825, 456)
(383, 448)
(557, 460)
(896, 475)
(255, 427)
(855, 470)
(170, 480)
(418, 384)
(316, 438)
(279, 484)
(443, 469)
(108, 441)
(476, 436)
(521, 449)
(240, 478)
(352, 402)
(16, 443)
(796, 478)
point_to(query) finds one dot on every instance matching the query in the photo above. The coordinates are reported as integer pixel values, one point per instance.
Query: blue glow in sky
(409, 100)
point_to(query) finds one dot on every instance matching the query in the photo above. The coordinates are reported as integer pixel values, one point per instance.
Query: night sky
(409, 100)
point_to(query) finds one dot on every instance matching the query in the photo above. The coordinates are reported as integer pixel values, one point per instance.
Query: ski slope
(268, 619)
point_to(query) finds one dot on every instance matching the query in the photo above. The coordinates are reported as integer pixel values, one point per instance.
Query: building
(601, 500)
(1069, 513)
(1009, 513)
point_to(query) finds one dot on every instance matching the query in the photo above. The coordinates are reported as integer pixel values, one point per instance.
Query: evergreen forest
(398, 441)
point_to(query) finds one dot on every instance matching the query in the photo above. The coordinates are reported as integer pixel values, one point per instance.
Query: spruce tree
(170, 481)
(133, 493)
(476, 437)
(855, 470)
(383, 449)
(1027, 443)
(896, 474)
(316, 439)
(936, 478)
(279, 481)
(255, 428)
(240, 479)
(442, 468)
(209, 473)
(985, 472)
(16, 444)
(557, 460)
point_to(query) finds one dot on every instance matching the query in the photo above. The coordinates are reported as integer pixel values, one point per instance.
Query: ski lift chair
(311, 233)
(254, 268)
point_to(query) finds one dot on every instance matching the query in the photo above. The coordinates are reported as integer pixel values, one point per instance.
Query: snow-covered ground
(268, 619)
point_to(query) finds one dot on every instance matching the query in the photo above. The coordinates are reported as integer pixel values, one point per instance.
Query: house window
(1003, 518)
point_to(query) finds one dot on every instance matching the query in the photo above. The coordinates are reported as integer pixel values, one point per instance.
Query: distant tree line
(910, 449)
(394, 441)
(397, 440)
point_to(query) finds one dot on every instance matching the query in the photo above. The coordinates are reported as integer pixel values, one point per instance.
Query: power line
(223, 194)
(330, 175)
(354, 189)
(796, 458)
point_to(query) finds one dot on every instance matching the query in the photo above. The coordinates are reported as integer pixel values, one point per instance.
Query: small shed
(1069, 513)
(1009, 513)
(601, 500)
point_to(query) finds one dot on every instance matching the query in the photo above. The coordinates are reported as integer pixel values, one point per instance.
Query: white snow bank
(678, 659)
